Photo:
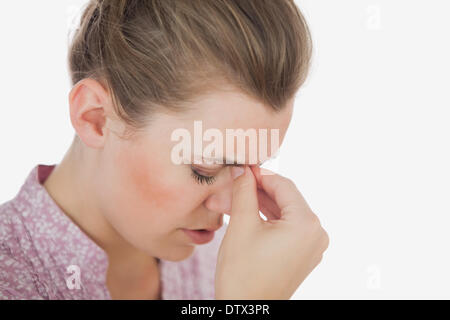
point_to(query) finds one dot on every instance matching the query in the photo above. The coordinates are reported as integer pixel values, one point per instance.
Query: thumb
(244, 205)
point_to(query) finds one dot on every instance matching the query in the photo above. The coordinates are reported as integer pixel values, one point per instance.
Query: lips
(213, 229)
(200, 236)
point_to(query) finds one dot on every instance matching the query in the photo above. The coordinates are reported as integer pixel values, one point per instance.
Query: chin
(178, 254)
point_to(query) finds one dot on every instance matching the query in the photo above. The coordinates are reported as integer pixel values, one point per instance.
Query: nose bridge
(220, 199)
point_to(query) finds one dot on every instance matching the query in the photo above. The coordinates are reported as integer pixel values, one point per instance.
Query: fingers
(244, 205)
(267, 206)
(280, 189)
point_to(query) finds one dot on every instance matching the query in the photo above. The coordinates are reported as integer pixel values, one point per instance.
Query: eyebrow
(230, 163)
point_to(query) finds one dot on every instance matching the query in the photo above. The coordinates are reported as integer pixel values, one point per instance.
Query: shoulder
(17, 279)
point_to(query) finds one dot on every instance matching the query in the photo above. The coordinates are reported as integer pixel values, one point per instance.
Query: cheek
(149, 184)
(153, 189)
(160, 187)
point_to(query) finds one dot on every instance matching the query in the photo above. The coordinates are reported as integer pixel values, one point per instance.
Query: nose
(220, 199)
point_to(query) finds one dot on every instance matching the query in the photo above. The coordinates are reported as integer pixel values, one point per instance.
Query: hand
(269, 259)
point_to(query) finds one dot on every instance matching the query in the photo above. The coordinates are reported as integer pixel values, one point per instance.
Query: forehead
(227, 111)
(231, 109)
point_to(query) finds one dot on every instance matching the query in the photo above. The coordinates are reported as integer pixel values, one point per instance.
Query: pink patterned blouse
(39, 243)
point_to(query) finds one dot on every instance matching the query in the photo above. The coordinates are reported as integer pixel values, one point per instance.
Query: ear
(90, 104)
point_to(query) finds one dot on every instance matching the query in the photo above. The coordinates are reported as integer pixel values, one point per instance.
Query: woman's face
(148, 198)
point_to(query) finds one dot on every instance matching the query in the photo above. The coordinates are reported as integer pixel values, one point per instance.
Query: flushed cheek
(159, 190)
(150, 187)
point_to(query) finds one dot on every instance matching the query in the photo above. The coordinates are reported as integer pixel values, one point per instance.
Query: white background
(368, 144)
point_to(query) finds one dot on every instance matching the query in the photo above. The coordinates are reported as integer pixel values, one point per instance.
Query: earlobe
(87, 101)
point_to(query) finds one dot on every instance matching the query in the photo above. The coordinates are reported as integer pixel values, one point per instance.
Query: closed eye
(201, 179)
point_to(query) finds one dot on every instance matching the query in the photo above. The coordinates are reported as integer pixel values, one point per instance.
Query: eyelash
(201, 178)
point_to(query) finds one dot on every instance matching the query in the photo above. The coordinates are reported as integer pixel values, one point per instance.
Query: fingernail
(236, 172)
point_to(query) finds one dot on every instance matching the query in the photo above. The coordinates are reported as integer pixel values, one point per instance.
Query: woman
(118, 217)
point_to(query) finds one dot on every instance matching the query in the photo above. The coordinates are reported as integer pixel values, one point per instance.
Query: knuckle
(326, 240)
(313, 220)
(316, 228)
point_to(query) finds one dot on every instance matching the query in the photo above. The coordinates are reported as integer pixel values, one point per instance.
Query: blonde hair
(163, 53)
